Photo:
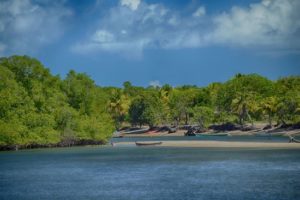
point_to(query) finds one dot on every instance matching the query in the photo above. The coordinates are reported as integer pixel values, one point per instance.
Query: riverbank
(283, 132)
(221, 144)
(72, 143)
(166, 134)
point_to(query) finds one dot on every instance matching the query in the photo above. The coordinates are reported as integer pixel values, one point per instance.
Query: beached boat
(212, 134)
(147, 143)
(117, 134)
(135, 131)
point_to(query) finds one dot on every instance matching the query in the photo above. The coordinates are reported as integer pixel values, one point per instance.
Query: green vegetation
(39, 108)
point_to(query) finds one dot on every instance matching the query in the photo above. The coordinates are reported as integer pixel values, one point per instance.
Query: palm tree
(242, 104)
(269, 107)
(118, 106)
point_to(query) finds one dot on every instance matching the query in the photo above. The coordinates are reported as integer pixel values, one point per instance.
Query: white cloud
(132, 4)
(155, 83)
(103, 36)
(271, 24)
(26, 24)
(199, 12)
(129, 31)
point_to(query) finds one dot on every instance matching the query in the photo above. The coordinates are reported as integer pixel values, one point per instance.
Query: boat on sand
(150, 143)
(118, 134)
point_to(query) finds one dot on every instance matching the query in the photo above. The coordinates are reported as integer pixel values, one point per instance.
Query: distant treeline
(39, 108)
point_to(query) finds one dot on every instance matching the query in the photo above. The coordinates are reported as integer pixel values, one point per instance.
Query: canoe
(137, 131)
(212, 134)
(118, 134)
(147, 143)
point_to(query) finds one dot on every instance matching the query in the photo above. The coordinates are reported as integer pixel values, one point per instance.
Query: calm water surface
(149, 173)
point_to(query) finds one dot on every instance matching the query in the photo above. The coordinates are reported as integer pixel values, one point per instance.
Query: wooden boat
(147, 143)
(135, 131)
(212, 134)
(118, 134)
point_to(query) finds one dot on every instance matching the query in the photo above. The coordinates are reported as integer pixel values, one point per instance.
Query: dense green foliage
(242, 99)
(39, 108)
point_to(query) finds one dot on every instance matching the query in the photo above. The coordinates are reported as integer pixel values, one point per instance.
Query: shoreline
(75, 143)
(180, 143)
(285, 133)
(220, 144)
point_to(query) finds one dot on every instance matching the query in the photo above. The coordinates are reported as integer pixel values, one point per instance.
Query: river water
(132, 172)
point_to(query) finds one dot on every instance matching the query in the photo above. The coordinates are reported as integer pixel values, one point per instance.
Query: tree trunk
(270, 120)
(201, 123)
(241, 120)
(176, 122)
(282, 121)
(250, 118)
(186, 118)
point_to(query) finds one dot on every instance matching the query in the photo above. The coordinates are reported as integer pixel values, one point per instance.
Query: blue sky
(155, 42)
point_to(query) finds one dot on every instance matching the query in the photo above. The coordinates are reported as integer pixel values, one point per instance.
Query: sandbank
(222, 144)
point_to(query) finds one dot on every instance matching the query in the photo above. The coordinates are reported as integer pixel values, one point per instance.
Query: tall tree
(118, 106)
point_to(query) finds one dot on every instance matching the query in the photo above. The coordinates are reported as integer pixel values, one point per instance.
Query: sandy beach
(233, 133)
(222, 144)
